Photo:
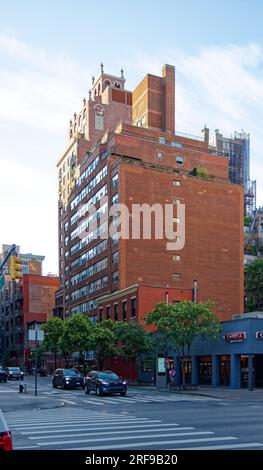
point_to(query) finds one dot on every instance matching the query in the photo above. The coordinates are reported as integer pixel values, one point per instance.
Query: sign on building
(235, 337)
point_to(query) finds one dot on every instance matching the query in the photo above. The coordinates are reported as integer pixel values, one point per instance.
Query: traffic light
(16, 267)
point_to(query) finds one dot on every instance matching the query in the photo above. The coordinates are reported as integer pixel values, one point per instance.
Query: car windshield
(107, 376)
(14, 369)
(71, 372)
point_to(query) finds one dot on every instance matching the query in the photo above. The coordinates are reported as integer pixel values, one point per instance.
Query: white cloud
(40, 90)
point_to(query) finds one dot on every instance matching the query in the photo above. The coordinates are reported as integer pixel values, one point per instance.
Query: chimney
(168, 101)
(205, 134)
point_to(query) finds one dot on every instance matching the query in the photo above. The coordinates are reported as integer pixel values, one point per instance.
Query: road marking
(137, 431)
(255, 406)
(66, 425)
(8, 391)
(108, 428)
(26, 447)
(70, 402)
(134, 445)
(227, 446)
(125, 438)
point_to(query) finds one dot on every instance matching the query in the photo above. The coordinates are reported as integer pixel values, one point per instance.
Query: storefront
(235, 360)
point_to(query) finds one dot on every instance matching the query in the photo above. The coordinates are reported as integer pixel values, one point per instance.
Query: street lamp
(195, 290)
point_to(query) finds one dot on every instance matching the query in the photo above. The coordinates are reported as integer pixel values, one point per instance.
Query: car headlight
(105, 384)
(124, 383)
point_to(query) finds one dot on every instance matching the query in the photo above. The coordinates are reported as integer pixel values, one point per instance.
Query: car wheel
(21, 378)
(64, 386)
(86, 390)
(123, 394)
(54, 386)
(5, 381)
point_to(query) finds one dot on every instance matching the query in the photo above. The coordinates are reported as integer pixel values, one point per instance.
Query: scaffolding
(250, 198)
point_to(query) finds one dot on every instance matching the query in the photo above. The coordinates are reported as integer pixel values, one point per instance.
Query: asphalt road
(144, 419)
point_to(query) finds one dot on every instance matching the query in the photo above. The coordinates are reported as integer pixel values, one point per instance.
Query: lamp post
(195, 290)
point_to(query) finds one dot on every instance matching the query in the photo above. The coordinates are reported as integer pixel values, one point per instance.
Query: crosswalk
(78, 429)
(138, 399)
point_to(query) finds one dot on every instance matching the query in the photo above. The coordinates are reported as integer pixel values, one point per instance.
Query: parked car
(104, 382)
(3, 374)
(67, 378)
(15, 373)
(5, 434)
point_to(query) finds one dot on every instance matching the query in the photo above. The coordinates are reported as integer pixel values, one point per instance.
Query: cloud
(221, 87)
(40, 90)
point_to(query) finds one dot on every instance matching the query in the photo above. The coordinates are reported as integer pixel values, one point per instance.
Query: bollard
(22, 388)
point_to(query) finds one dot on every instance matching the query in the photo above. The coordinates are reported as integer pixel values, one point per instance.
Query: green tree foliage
(254, 286)
(180, 323)
(133, 339)
(76, 336)
(53, 330)
(105, 341)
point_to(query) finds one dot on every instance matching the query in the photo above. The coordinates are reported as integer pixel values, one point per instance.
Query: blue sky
(50, 49)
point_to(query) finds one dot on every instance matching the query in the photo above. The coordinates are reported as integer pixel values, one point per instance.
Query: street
(144, 419)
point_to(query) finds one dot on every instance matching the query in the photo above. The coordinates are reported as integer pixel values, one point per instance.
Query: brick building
(21, 304)
(142, 160)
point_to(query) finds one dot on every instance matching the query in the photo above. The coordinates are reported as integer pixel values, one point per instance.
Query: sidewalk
(222, 393)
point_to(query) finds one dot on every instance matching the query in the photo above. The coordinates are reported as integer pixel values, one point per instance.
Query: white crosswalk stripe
(92, 429)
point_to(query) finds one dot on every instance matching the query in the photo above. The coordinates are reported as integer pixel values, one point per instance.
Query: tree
(53, 330)
(180, 323)
(76, 336)
(133, 339)
(105, 341)
(254, 286)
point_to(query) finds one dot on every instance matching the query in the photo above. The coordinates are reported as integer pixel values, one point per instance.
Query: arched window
(117, 85)
(84, 114)
(98, 88)
(79, 120)
(107, 83)
(75, 127)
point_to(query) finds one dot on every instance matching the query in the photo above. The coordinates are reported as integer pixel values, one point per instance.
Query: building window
(159, 156)
(115, 199)
(117, 85)
(108, 312)
(124, 310)
(101, 314)
(161, 140)
(141, 122)
(176, 258)
(66, 226)
(177, 145)
(116, 312)
(114, 180)
(133, 307)
(176, 183)
(115, 277)
(115, 257)
(177, 276)
(107, 83)
(179, 160)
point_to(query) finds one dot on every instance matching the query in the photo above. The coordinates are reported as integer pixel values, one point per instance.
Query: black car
(3, 374)
(67, 378)
(15, 373)
(103, 382)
